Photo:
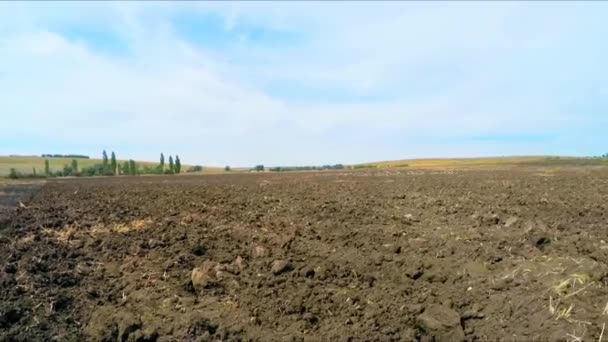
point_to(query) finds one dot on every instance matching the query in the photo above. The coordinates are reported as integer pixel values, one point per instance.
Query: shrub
(68, 170)
(152, 170)
(95, 170)
(125, 168)
(227, 168)
(363, 166)
(13, 174)
(74, 166)
(195, 168)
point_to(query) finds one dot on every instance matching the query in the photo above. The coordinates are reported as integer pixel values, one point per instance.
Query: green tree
(74, 166)
(132, 167)
(178, 164)
(171, 165)
(227, 168)
(162, 162)
(13, 174)
(125, 168)
(47, 167)
(105, 159)
(113, 163)
(67, 170)
(259, 167)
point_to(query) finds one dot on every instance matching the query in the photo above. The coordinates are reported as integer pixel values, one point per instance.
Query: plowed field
(334, 256)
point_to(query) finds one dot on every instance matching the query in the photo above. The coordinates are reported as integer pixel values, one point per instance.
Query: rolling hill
(487, 162)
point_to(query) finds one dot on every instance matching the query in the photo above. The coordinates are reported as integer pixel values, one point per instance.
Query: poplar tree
(132, 167)
(113, 163)
(171, 166)
(178, 164)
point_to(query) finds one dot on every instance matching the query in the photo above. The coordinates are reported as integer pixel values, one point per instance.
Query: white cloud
(449, 71)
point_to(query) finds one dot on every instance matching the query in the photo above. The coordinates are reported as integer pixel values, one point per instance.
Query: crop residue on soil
(358, 256)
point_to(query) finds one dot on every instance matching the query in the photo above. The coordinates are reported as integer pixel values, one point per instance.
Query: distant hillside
(486, 162)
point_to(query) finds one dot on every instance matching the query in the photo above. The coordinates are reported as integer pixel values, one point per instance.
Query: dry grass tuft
(135, 225)
(560, 312)
(573, 285)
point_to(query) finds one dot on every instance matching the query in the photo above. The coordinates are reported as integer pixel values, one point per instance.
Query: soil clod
(203, 276)
(441, 323)
(260, 252)
(280, 266)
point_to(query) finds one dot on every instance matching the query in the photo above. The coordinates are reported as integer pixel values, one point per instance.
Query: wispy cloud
(302, 83)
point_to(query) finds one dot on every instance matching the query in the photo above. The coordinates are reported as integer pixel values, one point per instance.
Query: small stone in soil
(511, 221)
(240, 263)
(260, 252)
(378, 259)
(280, 266)
(414, 308)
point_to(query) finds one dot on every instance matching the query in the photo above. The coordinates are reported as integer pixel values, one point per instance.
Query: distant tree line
(79, 156)
(195, 168)
(260, 168)
(109, 166)
(200, 168)
(303, 168)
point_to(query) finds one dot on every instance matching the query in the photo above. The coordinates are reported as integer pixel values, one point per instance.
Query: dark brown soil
(445, 256)
(13, 195)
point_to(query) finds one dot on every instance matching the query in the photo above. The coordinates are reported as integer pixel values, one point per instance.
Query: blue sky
(296, 83)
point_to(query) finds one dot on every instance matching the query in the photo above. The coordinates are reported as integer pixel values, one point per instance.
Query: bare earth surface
(360, 256)
(14, 193)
